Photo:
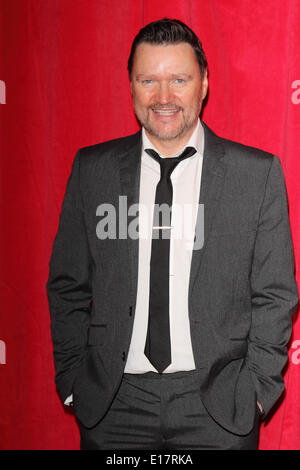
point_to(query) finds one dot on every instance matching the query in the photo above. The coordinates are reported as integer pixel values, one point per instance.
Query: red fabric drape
(64, 85)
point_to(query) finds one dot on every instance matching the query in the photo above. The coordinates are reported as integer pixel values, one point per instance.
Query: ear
(204, 84)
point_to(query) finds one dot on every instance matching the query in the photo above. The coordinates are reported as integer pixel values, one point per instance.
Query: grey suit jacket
(242, 290)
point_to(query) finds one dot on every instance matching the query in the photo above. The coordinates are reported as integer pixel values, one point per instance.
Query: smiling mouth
(165, 112)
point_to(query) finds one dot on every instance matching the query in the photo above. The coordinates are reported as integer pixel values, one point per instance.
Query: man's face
(167, 89)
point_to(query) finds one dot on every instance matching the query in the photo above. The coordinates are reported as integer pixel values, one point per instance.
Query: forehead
(152, 58)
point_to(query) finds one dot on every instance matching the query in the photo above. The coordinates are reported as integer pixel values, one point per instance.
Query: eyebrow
(152, 76)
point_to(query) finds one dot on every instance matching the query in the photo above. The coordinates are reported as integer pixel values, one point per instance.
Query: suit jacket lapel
(213, 170)
(130, 169)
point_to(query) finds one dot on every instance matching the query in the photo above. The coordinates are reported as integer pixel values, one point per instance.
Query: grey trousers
(162, 411)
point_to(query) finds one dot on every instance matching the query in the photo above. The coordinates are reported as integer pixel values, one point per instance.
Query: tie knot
(167, 165)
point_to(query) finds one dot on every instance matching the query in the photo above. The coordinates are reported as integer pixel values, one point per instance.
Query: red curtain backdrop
(64, 85)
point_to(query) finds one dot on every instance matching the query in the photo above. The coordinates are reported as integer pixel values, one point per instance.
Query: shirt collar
(196, 140)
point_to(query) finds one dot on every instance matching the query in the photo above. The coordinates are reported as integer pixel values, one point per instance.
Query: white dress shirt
(186, 179)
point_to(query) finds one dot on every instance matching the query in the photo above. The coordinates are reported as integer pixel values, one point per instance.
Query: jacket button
(123, 355)
(130, 311)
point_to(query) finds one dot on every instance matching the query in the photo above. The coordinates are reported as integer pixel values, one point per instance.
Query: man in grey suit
(170, 329)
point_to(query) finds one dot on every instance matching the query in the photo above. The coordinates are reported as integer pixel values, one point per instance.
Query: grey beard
(165, 136)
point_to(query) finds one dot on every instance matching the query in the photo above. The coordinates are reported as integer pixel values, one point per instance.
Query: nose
(164, 93)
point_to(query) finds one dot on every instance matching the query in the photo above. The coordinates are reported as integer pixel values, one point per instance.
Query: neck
(169, 147)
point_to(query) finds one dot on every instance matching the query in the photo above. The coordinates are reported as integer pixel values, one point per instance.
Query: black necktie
(158, 341)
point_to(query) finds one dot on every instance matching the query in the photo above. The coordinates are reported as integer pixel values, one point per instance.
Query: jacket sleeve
(274, 292)
(69, 286)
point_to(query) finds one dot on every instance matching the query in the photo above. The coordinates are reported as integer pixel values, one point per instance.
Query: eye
(179, 80)
(147, 82)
